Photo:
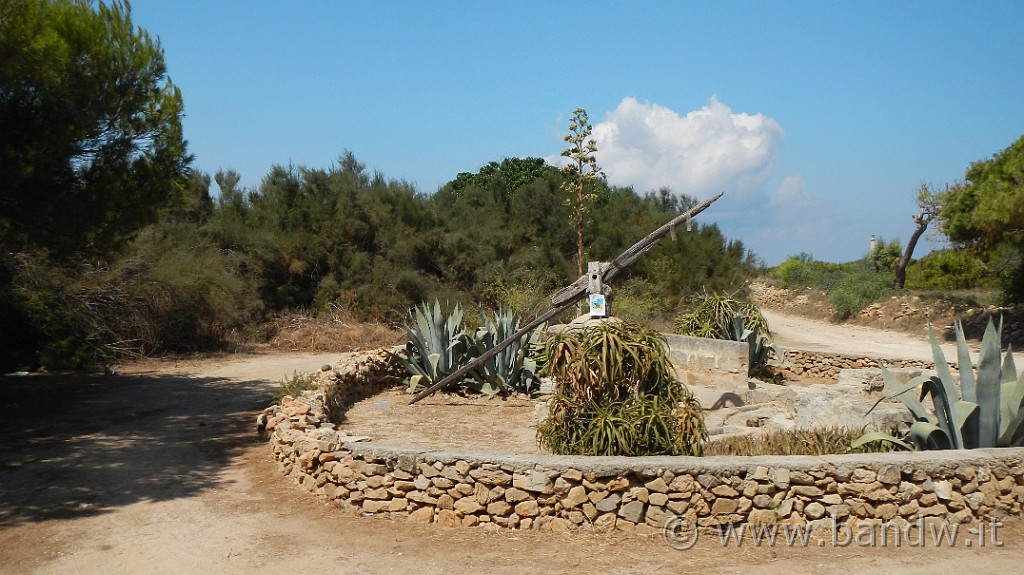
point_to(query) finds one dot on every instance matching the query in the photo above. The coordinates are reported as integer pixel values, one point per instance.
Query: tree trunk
(901, 266)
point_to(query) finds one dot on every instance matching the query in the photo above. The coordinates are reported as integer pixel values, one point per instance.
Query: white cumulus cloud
(713, 149)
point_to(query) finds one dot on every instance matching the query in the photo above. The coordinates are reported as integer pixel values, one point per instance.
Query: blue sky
(818, 119)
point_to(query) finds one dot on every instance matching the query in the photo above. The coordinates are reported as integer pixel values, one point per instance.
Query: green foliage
(93, 146)
(986, 212)
(512, 369)
(713, 316)
(857, 289)
(886, 255)
(437, 347)
(223, 259)
(616, 394)
(171, 291)
(635, 426)
(983, 409)
(722, 317)
(818, 441)
(804, 271)
(294, 386)
(948, 270)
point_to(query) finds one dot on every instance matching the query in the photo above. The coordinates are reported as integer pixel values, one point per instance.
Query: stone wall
(634, 494)
(827, 365)
(710, 354)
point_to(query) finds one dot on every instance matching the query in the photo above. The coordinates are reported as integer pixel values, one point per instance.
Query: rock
(515, 495)
(814, 510)
(657, 485)
(722, 506)
(467, 506)
(609, 504)
(658, 499)
(448, 518)
(422, 515)
(943, 490)
(528, 508)
(499, 508)
(632, 511)
(577, 496)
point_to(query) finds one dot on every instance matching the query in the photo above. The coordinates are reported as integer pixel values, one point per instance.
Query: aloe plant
(616, 394)
(437, 345)
(983, 409)
(512, 369)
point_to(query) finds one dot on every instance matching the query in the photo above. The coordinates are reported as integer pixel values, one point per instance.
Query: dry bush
(336, 329)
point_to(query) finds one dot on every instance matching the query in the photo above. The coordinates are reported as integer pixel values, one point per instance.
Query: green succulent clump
(616, 394)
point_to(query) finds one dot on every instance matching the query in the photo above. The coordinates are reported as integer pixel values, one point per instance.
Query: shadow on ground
(74, 446)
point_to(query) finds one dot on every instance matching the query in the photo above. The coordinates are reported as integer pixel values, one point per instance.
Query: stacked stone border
(827, 365)
(566, 493)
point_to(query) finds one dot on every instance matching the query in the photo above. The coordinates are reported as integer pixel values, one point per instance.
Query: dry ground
(158, 471)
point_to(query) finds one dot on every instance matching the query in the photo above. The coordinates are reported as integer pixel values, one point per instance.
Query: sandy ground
(158, 471)
(794, 332)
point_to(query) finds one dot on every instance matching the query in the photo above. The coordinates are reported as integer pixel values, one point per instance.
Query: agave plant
(986, 409)
(512, 369)
(437, 345)
(761, 351)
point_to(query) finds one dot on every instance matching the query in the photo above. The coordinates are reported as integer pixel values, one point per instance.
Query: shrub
(819, 441)
(294, 386)
(804, 271)
(438, 345)
(948, 269)
(616, 394)
(713, 317)
(512, 369)
(856, 290)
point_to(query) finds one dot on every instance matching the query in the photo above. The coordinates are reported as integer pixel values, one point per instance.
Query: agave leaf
(967, 414)
(414, 382)
(898, 389)
(941, 366)
(989, 387)
(1011, 412)
(964, 365)
(942, 399)
(1009, 372)
(876, 436)
(928, 436)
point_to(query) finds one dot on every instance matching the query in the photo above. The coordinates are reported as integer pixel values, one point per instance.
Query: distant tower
(873, 245)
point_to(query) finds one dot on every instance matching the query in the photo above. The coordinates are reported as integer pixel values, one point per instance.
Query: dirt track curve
(158, 471)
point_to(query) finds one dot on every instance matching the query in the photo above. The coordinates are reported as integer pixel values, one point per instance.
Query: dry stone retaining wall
(828, 364)
(630, 494)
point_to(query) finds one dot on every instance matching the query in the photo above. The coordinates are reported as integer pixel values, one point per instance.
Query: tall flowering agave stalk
(983, 409)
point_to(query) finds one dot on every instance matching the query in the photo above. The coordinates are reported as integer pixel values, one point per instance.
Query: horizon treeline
(216, 267)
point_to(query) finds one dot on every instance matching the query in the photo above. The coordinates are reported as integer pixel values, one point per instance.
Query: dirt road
(795, 332)
(158, 471)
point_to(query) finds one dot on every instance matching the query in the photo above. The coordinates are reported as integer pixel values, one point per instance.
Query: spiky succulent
(983, 409)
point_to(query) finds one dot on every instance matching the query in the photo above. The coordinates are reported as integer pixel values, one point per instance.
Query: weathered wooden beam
(571, 294)
(633, 253)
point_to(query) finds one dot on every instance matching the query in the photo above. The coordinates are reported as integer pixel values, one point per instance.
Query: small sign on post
(595, 287)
